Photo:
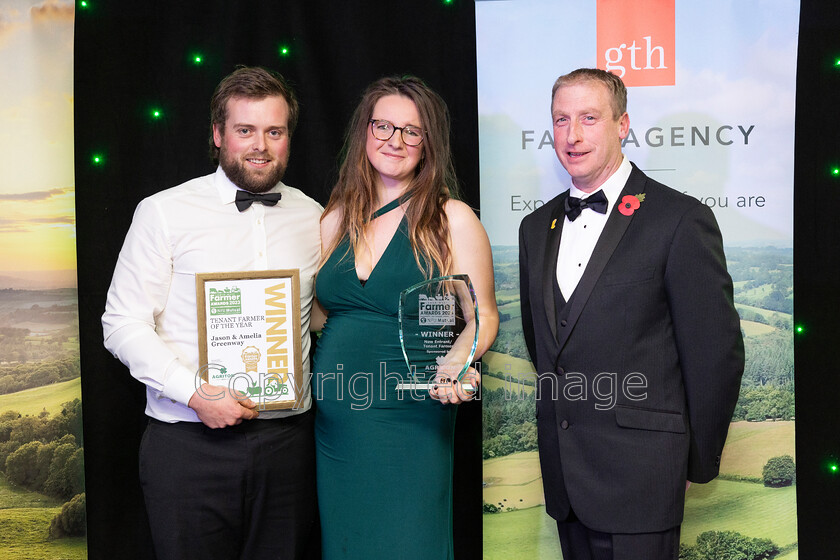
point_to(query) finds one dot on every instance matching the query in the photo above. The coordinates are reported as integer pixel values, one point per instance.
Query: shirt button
(261, 253)
(560, 371)
(563, 323)
(564, 424)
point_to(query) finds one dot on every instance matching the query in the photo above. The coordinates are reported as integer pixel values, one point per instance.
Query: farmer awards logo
(437, 310)
(227, 301)
(636, 41)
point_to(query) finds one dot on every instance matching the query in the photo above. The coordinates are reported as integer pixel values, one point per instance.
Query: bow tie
(244, 199)
(574, 206)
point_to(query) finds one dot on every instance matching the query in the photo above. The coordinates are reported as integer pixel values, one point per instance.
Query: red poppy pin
(630, 203)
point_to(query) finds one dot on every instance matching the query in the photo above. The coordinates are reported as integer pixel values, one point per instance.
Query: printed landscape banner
(712, 114)
(42, 505)
(711, 89)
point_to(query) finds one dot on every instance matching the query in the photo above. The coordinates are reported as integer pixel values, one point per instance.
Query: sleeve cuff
(180, 384)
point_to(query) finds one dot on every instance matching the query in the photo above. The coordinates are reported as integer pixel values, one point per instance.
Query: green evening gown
(384, 464)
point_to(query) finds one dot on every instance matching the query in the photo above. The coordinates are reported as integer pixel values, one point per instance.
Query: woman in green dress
(384, 457)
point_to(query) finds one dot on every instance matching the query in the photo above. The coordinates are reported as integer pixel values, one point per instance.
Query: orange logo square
(636, 41)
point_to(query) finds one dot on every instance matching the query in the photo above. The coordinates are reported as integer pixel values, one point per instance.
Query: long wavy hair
(434, 182)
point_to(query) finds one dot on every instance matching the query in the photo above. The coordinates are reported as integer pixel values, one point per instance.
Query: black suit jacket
(640, 373)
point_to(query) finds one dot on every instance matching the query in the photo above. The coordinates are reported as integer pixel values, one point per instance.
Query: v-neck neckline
(383, 210)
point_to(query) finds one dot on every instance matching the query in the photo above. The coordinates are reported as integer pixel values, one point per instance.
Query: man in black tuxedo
(628, 316)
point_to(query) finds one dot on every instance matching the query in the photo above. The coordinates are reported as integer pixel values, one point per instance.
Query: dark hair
(434, 182)
(618, 93)
(251, 83)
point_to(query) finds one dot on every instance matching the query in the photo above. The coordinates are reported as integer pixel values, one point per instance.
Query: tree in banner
(779, 472)
(72, 521)
(728, 545)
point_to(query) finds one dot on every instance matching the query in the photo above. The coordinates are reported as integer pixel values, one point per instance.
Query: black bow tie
(574, 205)
(244, 199)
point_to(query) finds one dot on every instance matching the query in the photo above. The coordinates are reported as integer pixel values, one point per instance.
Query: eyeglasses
(383, 130)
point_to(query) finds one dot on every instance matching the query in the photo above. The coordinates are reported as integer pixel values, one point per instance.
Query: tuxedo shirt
(150, 321)
(581, 235)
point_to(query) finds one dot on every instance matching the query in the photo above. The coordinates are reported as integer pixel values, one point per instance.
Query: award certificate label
(249, 334)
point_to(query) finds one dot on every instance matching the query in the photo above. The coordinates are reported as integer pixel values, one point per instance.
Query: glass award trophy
(438, 330)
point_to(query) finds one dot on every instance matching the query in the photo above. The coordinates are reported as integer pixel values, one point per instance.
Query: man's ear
(623, 126)
(217, 136)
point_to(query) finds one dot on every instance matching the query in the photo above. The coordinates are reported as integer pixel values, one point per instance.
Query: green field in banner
(521, 529)
(31, 402)
(526, 534)
(747, 508)
(24, 527)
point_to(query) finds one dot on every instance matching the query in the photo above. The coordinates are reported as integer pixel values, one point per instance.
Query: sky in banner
(37, 187)
(722, 133)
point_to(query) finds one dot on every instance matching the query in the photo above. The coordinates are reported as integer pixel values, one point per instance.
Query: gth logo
(636, 41)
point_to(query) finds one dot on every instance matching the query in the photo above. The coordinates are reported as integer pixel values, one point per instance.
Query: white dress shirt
(580, 236)
(150, 316)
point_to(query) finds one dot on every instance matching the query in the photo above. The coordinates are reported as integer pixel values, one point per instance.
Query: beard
(255, 181)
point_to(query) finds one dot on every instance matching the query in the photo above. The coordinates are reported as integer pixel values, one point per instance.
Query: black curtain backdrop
(817, 278)
(132, 57)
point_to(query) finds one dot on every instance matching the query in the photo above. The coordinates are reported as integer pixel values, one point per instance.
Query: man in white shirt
(220, 478)
(628, 317)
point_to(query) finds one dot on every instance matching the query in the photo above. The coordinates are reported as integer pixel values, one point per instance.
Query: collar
(612, 187)
(227, 190)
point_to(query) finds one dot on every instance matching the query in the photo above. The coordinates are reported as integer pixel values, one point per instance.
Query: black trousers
(579, 542)
(245, 491)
